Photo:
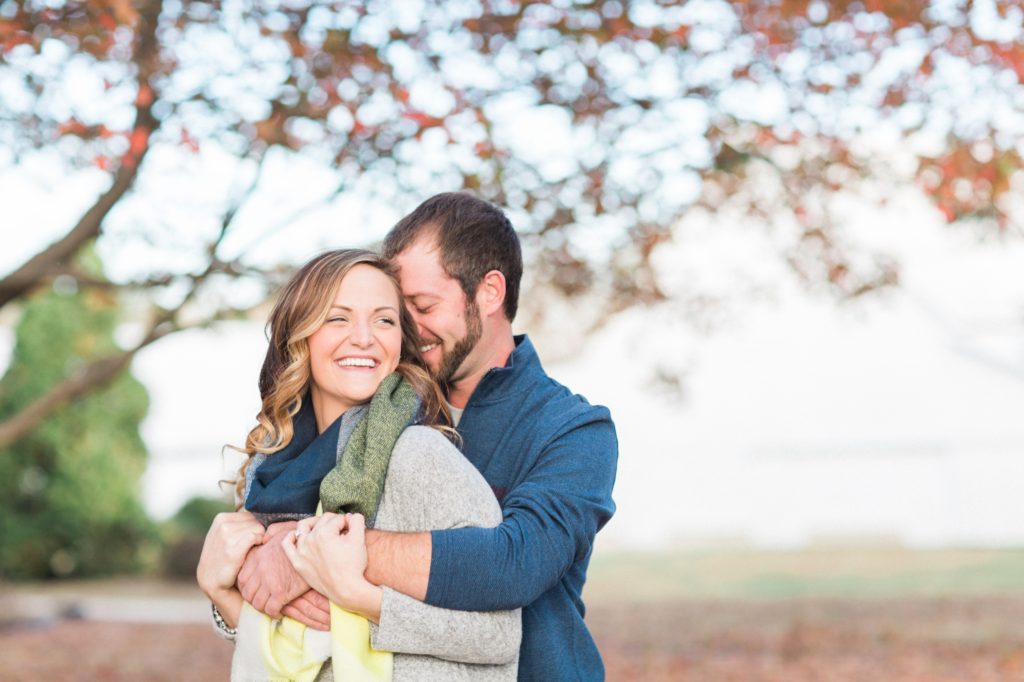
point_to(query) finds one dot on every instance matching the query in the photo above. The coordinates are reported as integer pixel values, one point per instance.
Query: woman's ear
(490, 295)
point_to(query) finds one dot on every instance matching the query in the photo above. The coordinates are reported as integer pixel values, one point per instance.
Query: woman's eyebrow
(346, 309)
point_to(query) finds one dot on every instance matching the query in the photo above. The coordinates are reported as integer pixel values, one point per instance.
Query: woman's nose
(361, 334)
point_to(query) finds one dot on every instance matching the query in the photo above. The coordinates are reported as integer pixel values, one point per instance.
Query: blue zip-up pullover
(550, 457)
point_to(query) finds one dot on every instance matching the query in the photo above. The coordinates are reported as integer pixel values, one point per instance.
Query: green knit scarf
(356, 483)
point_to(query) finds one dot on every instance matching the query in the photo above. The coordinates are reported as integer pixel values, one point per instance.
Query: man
(549, 455)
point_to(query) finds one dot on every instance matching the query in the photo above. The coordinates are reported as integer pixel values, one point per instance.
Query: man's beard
(452, 360)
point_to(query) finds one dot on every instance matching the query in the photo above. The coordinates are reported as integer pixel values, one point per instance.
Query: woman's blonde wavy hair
(285, 378)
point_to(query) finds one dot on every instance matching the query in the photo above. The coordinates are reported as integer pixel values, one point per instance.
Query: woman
(351, 422)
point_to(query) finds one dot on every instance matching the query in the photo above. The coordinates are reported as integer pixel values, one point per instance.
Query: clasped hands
(302, 566)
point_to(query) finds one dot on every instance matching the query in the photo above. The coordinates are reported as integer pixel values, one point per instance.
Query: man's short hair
(474, 237)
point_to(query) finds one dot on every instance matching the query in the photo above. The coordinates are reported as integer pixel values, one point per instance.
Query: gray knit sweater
(429, 486)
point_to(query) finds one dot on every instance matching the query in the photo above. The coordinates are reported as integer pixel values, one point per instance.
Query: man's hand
(311, 609)
(267, 579)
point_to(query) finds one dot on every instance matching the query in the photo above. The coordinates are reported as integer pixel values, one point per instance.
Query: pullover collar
(503, 383)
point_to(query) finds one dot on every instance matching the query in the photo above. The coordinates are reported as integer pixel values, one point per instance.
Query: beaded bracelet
(220, 623)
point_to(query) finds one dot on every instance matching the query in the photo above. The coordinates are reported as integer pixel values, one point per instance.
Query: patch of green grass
(844, 573)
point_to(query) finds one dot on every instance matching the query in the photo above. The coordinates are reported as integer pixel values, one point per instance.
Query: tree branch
(299, 213)
(35, 270)
(233, 268)
(97, 374)
(101, 372)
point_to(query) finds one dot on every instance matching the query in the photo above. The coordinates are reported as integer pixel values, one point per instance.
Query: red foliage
(138, 141)
(72, 126)
(596, 62)
(423, 120)
(144, 96)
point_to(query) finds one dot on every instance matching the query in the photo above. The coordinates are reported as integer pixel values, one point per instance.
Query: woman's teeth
(357, 362)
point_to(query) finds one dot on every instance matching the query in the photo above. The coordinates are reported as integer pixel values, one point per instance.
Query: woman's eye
(337, 319)
(387, 320)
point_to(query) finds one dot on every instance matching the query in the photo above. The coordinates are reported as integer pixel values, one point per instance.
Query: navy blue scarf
(296, 470)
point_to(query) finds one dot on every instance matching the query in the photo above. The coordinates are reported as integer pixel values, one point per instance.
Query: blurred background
(781, 240)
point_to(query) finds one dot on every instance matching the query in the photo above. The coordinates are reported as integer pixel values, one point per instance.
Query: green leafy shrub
(69, 491)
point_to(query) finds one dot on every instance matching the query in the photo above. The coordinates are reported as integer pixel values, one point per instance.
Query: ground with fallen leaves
(973, 639)
(820, 615)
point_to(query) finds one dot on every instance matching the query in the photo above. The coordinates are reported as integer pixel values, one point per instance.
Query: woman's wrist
(228, 602)
(213, 590)
(361, 597)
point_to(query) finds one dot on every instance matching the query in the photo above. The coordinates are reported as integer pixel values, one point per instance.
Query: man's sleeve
(550, 520)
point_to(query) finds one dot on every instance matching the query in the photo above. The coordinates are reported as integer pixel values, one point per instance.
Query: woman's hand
(329, 552)
(229, 539)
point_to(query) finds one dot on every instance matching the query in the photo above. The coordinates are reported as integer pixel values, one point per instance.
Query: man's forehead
(424, 247)
(419, 266)
(423, 281)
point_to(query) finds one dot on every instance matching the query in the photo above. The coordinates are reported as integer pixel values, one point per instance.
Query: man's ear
(490, 295)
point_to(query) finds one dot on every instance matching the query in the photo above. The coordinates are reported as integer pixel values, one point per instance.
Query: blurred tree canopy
(658, 107)
(69, 490)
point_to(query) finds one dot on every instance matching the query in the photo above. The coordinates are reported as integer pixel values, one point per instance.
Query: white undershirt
(456, 413)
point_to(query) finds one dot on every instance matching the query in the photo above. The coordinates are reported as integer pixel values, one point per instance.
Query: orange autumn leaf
(145, 96)
(422, 119)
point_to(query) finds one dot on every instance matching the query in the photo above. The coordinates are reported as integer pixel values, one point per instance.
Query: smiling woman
(353, 425)
(358, 345)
